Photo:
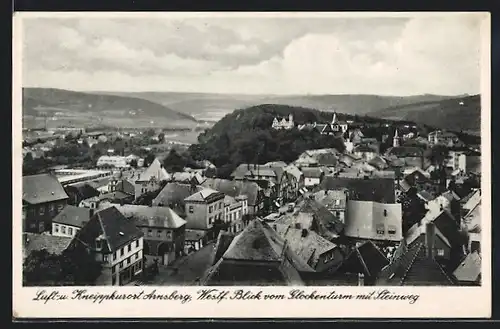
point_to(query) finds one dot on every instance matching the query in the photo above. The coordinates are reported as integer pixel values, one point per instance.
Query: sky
(254, 55)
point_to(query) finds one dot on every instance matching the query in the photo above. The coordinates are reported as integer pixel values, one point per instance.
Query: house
(112, 161)
(257, 256)
(410, 155)
(297, 181)
(420, 232)
(195, 240)
(378, 162)
(306, 160)
(151, 178)
(43, 198)
(369, 220)
(116, 243)
(374, 189)
(456, 160)
(468, 273)
(366, 260)
(365, 152)
(416, 266)
(80, 191)
(273, 179)
(328, 224)
(335, 127)
(282, 123)
(53, 244)
(334, 200)
(234, 210)
(317, 252)
(443, 138)
(472, 223)
(255, 196)
(70, 220)
(312, 176)
(173, 195)
(163, 230)
(203, 209)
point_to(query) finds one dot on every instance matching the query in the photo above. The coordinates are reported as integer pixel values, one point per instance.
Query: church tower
(334, 120)
(395, 140)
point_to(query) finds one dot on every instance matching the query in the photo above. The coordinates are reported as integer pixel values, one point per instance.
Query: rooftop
(42, 188)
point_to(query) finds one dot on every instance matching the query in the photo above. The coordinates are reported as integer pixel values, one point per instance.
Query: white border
(440, 302)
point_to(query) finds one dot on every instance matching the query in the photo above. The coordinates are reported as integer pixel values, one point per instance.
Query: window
(220, 205)
(114, 256)
(169, 235)
(158, 233)
(56, 228)
(440, 252)
(210, 220)
(337, 213)
(128, 260)
(392, 230)
(105, 258)
(42, 210)
(121, 264)
(113, 269)
(129, 247)
(191, 209)
(63, 229)
(136, 255)
(52, 207)
(70, 230)
(380, 229)
(137, 244)
(122, 251)
(98, 244)
(41, 226)
(150, 232)
(210, 209)
(60, 206)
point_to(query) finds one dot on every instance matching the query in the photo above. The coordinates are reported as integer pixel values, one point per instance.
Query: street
(186, 270)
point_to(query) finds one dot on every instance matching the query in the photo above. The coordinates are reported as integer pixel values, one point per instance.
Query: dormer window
(98, 244)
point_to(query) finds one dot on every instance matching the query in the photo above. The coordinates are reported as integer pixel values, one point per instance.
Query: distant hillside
(36, 100)
(215, 106)
(462, 113)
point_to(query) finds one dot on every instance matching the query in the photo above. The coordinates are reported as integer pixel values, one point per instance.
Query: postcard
(256, 165)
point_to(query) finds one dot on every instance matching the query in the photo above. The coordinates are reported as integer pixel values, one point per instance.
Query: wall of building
(311, 181)
(202, 216)
(64, 230)
(42, 213)
(329, 260)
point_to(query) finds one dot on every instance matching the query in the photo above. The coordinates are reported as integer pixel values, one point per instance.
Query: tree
(174, 162)
(161, 137)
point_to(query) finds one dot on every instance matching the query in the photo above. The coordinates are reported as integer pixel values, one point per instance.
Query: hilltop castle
(283, 123)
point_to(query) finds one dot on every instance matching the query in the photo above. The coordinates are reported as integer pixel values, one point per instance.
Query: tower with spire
(395, 140)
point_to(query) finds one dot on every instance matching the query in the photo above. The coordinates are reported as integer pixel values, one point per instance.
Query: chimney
(304, 233)
(430, 231)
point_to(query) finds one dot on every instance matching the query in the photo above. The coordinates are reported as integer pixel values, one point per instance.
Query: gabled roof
(148, 216)
(72, 215)
(365, 258)
(333, 199)
(234, 188)
(327, 221)
(378, 162)
(42, 188)
(175, 193)
(156, 171)
(469, 269)
(376, 189)
(294, 171)
(418, 230)
(328, 159)
(414, 268)
(307, 244)
(113, 226)
(312, 172)
(53, 244)
(204, 195)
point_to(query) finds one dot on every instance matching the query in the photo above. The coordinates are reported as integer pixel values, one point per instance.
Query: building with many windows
(203, 208)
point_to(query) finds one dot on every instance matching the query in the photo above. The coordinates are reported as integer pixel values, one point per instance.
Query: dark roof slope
(365, 258)
(223, 241)
(42, 188)
(72, 215)
(377, 189)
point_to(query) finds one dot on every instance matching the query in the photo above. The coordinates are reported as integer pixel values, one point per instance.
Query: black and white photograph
(255, 150)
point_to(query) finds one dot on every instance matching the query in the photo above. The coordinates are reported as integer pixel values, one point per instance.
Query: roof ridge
(362, 261)
(98, 214)
(420, 244)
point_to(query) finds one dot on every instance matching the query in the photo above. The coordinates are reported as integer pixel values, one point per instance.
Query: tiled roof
(203, 195)
(414, 268)
(470, 268)
(223, 241)
(234, 188)
(53, 244)
(327, 221)
(72, 215)
(328, 159)
(294, 171)
(156, 171)
(378, 189)
(418, 230)
(312, 172)
(175, 193)
(152, 216)
(116, 228)
(333, 199)
(405, 151)
(366, 259)
(307, 244)
(42, 188)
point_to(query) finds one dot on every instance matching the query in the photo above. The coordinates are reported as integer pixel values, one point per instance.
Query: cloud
(259, 55)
